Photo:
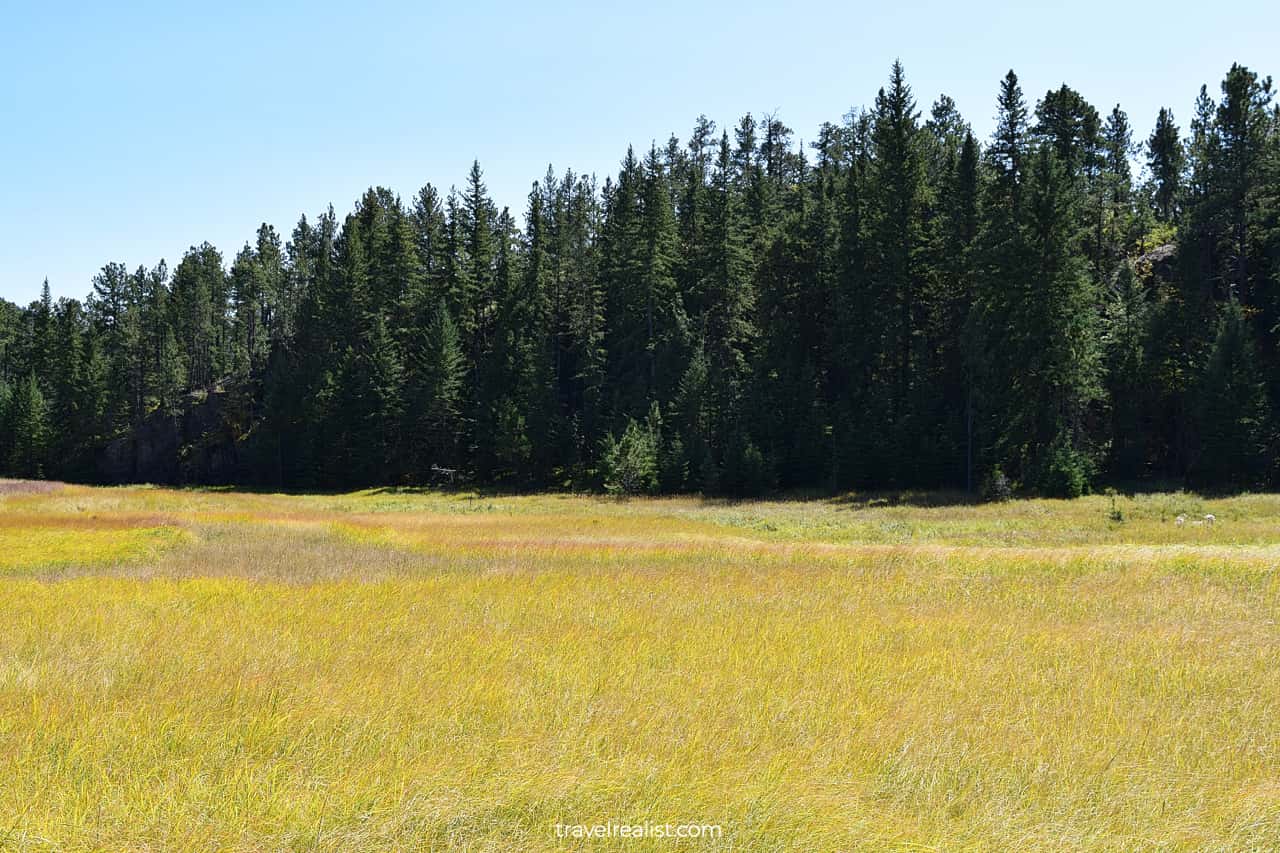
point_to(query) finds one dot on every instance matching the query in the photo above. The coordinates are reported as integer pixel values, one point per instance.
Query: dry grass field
(403, 670)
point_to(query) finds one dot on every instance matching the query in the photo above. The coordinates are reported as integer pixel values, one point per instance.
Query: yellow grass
(391, 670)
(44, 544)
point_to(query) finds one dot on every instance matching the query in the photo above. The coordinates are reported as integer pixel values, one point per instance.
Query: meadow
(396, 669)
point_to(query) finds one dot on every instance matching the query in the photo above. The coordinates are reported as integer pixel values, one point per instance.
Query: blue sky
(132, 131)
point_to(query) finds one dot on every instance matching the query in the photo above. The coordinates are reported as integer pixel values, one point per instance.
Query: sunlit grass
(29, 549)
(393, 670)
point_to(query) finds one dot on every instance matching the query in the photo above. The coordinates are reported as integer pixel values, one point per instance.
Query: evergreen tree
(113, 310)
(434, 396)
(958, 352)
(1008, 143)
(1128, 374)
(727, 328)
(367, 402)
(478, 216)
(502, 446)
(70, 437)
(1003, 265)
(10, 321)
(581, 354)
(530, 314)
(27, 422)
(631, 338)
(200, 315)
(6, 428)
(1165, 161)
(42, 333)
(429, 226)
(1115, 191)
(1060, 378)
(896, 188)
(1231, 407)
(1241, 125)
(1072, 126)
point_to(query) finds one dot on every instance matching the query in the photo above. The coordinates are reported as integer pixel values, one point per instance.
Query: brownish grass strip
(28, 487)
(68, 521)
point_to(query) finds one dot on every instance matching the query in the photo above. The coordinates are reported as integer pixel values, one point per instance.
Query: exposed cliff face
(202, 444)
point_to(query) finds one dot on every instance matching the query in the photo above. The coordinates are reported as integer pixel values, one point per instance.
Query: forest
(891, 304)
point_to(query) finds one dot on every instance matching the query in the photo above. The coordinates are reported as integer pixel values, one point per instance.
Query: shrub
(631, 462)
(996, 486)
(746, 472)
(1065, 472)
(1115, 513)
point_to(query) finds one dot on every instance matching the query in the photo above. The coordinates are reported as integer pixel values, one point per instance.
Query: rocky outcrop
(1161, 263)
(203, 444)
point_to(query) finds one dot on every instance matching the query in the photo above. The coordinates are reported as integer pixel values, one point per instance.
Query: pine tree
(750, 185)
(531, 313)
(368, 403)
(635, 335)
(407, 288)
(69, 391)
(113, 310)
(1231, 407)
(692, 419)
(689, 173)
(583, 367)
(895, 195)
(277, 312)
(6, 428)
(163, 368)
(299, 382)
(856, 363)
(1072, 126)
(796, 295)
(10, 321)
(665, 315)
(201, 318)
(1115, 190)
(1008, 143)
(1165, 160)
(427, 219)
(28, 425)
(457, 278)
(1128, 373)
(259, 312)
(1117, 144)
(1059, 374)
(501, 443)
(727, 328)
(43, 335)
(958, 339)
(1241, 124)
(478, 216)
(998, 342)
(434, 396)
(246, 302)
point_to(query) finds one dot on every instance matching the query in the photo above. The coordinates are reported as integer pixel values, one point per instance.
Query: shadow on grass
(854, 500)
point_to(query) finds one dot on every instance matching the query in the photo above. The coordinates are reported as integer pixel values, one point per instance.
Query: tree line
(894, 305)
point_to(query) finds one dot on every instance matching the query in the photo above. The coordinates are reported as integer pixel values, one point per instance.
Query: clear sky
(130, 131)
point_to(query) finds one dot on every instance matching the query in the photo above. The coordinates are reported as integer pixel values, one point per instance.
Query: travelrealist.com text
(616, 829)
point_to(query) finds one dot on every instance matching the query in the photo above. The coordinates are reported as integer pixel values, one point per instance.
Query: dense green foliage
(898, 306)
